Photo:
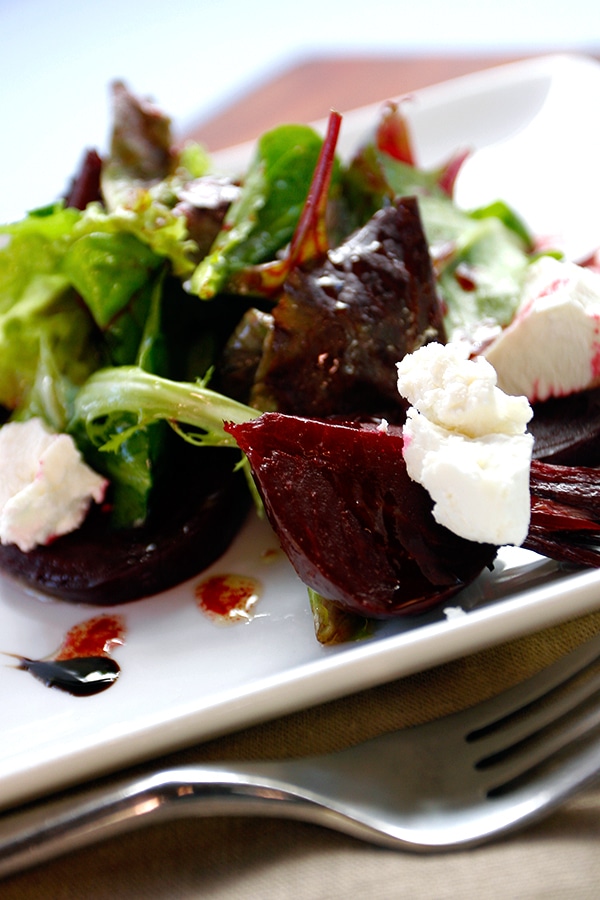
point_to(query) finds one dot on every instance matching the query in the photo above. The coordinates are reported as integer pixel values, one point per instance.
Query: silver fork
(452, 783)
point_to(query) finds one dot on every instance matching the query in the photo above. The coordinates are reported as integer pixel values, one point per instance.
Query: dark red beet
(191, 528)
(566, 430)
(355, 527)
(565, 513)
(340, 328)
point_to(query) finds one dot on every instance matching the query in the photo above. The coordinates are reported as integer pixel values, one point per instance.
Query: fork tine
(547, 785)
(543, 733)
(478, 723)
(546, 708)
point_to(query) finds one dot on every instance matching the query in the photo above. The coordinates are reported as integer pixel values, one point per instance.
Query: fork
(449, 784)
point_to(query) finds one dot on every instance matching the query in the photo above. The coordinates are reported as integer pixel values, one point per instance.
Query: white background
(57, 58)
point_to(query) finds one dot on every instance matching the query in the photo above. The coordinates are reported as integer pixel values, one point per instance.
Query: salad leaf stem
(111, 392)
(335, 625)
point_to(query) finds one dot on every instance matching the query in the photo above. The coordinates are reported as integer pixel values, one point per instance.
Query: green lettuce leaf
(111, 392)
(107, 269)
(51, 342)
(149, 219)
(134, 336)
(33, 246)
(48, 321)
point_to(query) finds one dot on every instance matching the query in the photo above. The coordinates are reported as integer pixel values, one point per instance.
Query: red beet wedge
(354, 526)
(360, 533)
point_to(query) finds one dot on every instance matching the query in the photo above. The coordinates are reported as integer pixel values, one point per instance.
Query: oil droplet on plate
(98, 636)
(228, 598)
(271, 555)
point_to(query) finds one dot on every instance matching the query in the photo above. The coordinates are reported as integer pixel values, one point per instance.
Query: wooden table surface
(309, 88)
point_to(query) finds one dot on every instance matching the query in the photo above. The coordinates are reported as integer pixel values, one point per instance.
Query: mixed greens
(126, 307)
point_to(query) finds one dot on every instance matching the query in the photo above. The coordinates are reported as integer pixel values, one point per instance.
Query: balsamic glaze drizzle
(79, 676)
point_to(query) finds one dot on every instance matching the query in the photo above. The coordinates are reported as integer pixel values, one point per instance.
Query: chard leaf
(480, 256)
(263, 218)
(406, 180)
(482, 280)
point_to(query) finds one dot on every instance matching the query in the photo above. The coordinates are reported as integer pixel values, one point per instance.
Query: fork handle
(50, 828)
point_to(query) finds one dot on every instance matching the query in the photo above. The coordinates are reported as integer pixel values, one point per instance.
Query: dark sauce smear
(82, 665)
(81, 677)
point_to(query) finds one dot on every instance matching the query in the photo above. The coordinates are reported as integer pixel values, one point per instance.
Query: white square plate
(186, 679)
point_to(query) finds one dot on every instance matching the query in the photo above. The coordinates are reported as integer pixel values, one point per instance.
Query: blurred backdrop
(196, 58)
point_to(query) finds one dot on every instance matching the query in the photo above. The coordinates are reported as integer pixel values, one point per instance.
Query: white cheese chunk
(45, 486)
(480, 486)
(465, 442)
(458, 393)
(552, 346)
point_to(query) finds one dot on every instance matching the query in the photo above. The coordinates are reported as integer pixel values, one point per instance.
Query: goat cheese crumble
(465, 441)
(46, 488)
(552, 346)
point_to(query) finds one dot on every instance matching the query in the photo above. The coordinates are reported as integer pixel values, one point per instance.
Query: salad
(164, 315)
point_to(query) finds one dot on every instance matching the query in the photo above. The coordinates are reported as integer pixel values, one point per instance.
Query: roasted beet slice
(353, 524)
(566, 430)
(360, 533)
(193, 524)
(565, 513)
(340, 328)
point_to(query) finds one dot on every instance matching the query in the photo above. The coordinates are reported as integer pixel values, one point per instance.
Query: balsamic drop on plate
(81, 677)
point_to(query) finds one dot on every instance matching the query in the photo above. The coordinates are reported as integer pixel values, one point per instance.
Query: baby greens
(103, 331)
